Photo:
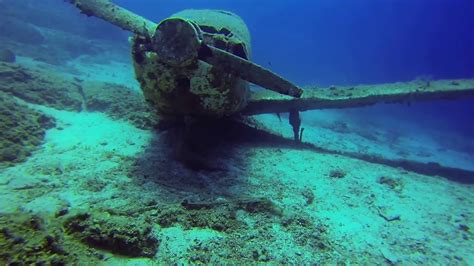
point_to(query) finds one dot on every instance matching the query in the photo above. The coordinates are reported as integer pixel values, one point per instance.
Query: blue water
(350, 42)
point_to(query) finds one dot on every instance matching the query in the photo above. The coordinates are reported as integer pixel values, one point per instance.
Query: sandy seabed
(325, 208)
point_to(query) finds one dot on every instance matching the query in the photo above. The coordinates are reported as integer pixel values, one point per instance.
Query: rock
(50, 44)
(22, 130)
(72, 94)
(337, 173)
(7, 56)
(118, 234)
(27, 239)
(464, 227)
(395, 184)
(308, 194)
(306, 232)
(119, 102)
(216, 215)
(40, 32)
(40, 87)
(58, 48)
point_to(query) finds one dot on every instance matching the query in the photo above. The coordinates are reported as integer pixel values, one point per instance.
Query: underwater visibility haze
(236, 132)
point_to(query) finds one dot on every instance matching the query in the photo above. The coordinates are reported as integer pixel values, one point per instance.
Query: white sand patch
(83, 146)
(333, 131)
(112, 72)
(177, 242)
(86, 68)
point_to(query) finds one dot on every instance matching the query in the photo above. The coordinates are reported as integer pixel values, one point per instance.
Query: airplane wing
(362, 95)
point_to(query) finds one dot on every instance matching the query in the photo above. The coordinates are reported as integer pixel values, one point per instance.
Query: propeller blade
(248, 70)
(139, 25)
(116, 15)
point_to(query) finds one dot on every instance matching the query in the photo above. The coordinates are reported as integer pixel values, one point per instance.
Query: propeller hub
(176, 42)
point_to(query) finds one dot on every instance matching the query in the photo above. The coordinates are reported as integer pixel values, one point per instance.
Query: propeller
(177, 43)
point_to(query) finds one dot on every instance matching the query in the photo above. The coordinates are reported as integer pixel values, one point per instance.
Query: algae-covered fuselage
(195, 87)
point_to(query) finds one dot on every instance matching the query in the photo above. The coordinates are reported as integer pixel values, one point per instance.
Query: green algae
(198, 89)
(290, 239)
(235, 231)
(220, 215)
(40, 87)
(24, 239)
(27, 239)
(118, 234)
(64, 93)
(22, 130)
(118, 102)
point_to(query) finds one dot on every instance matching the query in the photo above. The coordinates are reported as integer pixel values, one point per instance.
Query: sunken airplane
(197, 63)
